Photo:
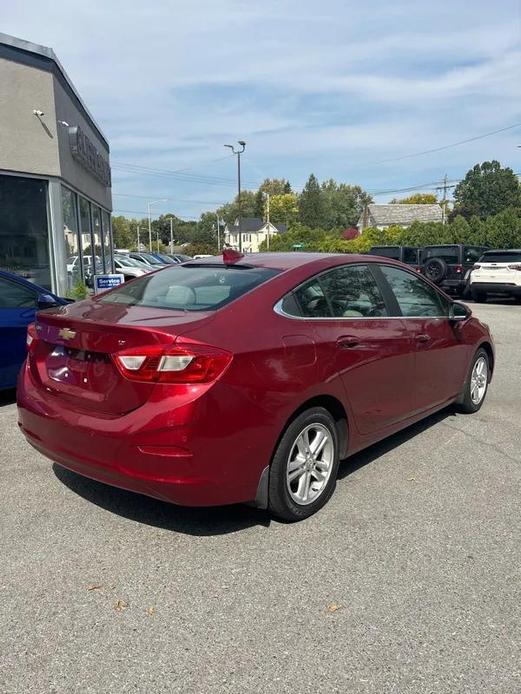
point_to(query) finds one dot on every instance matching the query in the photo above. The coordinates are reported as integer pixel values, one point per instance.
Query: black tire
(281, 502)
(479, 297)
(465, 402)
(435, 270)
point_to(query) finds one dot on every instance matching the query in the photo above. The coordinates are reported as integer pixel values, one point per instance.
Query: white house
(398, 214)
(254, 231)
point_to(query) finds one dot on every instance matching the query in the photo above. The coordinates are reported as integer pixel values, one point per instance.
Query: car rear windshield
(501, 257)
(450, 254)
(410, 256)
(190, 287)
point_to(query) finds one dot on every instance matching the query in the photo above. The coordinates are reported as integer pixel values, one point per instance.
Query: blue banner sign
(104, 282)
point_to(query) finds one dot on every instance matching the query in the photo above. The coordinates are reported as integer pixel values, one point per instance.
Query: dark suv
(405, 254)
(449, 265)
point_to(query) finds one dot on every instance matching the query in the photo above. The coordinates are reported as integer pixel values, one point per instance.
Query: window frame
(389, 293)
(390, 302)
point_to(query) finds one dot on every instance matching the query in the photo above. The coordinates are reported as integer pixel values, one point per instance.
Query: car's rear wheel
(479, 297)
(436, 270)
(476, 385)
(305, 465)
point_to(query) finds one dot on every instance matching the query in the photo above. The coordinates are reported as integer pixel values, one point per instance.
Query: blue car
(19, 302)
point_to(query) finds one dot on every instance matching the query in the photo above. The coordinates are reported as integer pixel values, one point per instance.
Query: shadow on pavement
(7, 397)
(214, 520)
(357, 461)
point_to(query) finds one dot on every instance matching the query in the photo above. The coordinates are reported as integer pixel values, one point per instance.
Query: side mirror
(459, 312)
(45, 301)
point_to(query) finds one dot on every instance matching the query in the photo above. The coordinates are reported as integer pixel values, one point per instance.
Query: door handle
(347, 342)
(423, 338)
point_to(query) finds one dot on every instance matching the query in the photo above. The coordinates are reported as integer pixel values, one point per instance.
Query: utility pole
(138, 242)
(152, 202)
(268, 220)
(444, 201)
(171, 234)
(218, 232)
(238, 152)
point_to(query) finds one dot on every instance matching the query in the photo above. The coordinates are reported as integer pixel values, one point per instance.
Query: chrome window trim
(277, 308)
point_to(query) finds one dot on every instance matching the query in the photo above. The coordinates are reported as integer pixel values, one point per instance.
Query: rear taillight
(32, 337)
(180, 363)
(459, 269)
(515, 266)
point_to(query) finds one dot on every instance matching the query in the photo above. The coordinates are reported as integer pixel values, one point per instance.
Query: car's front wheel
(476, 385)
(304, 468)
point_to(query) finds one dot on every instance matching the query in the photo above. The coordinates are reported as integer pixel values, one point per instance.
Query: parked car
(148, 259)
(129, 267)
(19, 301)
(202, 255)
(497, 272)
(449, 265)
(179, 257)
(247, 378)
(405, 254)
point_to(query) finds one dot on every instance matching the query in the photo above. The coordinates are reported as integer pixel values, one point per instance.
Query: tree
(272, 186)
(230, 211)
(343, 204)
(416, 199)
(121, 233)
(312, 204)
(486, 190)
(284, 209)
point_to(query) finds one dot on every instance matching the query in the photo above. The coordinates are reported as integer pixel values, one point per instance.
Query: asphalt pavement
(409, 581)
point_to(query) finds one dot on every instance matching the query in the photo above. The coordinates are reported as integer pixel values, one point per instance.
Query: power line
(444, 147)
(146, 197)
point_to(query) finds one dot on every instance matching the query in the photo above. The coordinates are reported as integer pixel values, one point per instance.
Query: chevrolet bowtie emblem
(67, 333)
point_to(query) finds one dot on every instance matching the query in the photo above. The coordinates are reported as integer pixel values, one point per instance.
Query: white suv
(497, 272)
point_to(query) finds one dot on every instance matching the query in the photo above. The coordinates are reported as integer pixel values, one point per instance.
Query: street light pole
(171, 234)
(238, 152)
(152, 202)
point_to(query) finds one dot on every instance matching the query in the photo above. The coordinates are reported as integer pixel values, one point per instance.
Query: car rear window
(410, 256)
(190, 287)
(450, 254)
(501, 257)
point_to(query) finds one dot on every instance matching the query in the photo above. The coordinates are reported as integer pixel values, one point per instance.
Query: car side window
(352, 292)
(14, 295)
(344, 292)
(311, 299)
(414, 296)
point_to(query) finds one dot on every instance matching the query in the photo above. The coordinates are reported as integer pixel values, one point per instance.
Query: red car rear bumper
(191, 463)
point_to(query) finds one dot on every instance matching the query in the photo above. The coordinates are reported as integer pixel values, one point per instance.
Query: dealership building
(55, 185)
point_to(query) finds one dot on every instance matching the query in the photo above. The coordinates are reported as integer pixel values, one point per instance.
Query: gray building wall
(27, 144)
(70, 169)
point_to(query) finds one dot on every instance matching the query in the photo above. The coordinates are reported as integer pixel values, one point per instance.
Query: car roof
(283, 261)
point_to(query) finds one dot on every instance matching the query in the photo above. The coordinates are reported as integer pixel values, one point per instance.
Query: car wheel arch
(339, 413)
(490, 353)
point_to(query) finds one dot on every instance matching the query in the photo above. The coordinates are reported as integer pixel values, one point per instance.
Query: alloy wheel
(479, 380)
(309, 464)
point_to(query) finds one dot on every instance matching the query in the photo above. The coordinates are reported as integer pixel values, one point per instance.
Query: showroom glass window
(24, 232)
(72, 243)
(107, 241)
(86, 243)
(415, 297)
(96, 235)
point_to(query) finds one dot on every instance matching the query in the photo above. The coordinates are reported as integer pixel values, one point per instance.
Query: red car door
(359, 342)
(441, 355)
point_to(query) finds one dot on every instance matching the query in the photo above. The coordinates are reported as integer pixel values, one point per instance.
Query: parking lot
(408, 581)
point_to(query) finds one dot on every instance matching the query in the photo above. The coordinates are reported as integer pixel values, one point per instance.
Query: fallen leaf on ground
(334, 607)
(120, 605)
(151, 611)
(94, 587)
(411, 479)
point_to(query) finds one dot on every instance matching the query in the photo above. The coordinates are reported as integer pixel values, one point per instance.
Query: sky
(339, 88)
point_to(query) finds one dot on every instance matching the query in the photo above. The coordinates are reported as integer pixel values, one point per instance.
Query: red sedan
(246, 379)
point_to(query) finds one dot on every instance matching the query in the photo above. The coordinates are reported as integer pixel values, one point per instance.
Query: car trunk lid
(73, 355)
